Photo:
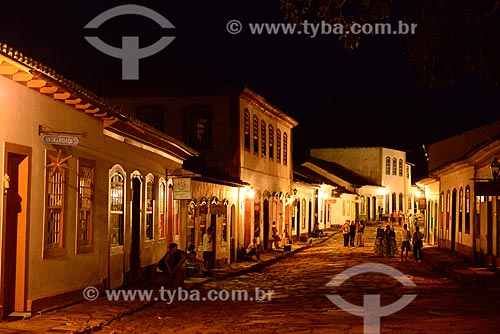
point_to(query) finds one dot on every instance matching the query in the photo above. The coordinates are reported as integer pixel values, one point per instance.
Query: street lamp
(495, 168)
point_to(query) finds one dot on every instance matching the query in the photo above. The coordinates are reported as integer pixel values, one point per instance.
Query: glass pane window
(85, 202)
(116, 194)
(149, 209)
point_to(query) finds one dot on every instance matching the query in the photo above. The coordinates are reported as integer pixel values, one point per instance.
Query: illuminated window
(247, 130)
(467, 209)
(255, 135)
(394, 166)
(263, 137)
(85, 204)
(54, 205)
(400, 167)
(271, 142)
(116, 207)
(149, 207)
(460, 208)
(162, 205)
(285, 148)
(278, 146)
(387, 166)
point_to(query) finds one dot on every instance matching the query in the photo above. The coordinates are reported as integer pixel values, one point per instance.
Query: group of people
(180, 264)
(353, 233)
(386, 245)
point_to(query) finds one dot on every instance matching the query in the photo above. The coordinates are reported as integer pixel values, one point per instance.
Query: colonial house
(318, 200)
(240, 136)
(462, 192)
(87, 192)
(379, 176)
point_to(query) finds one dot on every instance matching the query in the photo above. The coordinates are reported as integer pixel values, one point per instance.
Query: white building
(85, 199)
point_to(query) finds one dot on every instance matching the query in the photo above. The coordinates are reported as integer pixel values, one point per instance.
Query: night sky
(369, 96)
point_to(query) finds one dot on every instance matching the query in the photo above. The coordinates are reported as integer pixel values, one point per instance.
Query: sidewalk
(91, 316)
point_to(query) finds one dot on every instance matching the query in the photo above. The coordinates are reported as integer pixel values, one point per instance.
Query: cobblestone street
(299, 304)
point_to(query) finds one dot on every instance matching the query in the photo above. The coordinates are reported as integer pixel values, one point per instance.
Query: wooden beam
(22, 76)
(83, 106)
(61, 96)
(74, 101)
(92, 111)
(109, 121)
(48, 90)
(37, 83)
(8, 70)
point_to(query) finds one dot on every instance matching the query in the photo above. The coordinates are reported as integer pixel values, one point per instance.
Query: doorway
(453, 219)
(15, 229)
(135, 250)
(266, 224)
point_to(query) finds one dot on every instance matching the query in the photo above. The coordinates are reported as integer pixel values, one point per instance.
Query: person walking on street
(405, 242)
(208, 248)
(418, 243)
(345, 233)
(352, 233)
(359, 234)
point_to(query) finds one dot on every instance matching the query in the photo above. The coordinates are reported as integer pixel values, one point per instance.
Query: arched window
(387, 166)
(116, 207)
(278, 146)
(255, 135)
(263, 137)
(271, 142)
(467, 209)
(162, 206)
(394, 165)
(400, 167)
(247, 130)
(149, 206)
(285, 148)
(460, 208)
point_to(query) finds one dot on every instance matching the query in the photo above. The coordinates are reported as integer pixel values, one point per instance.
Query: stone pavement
(91, 316)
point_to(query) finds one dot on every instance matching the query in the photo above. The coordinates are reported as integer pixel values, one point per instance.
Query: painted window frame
(117, 210)
(55, 204)
(271, 142)
(263, 138)
(162, 208)
(285, 148)
(149, 206)
(85, 195)
(255, 122)
(246, 130)
(278, 146)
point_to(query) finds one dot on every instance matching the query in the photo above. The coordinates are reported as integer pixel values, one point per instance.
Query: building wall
(22, 111)
(447, 230)
(364, 161)
(222, 154)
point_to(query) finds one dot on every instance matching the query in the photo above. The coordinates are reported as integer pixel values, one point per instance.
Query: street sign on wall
(60, 140)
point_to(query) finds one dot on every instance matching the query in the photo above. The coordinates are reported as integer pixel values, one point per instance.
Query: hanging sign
(182, 188)
(61, 140)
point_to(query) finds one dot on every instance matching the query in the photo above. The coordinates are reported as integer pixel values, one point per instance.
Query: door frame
(21, 288)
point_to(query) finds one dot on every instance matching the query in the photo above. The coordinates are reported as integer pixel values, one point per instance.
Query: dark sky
(369, 96)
